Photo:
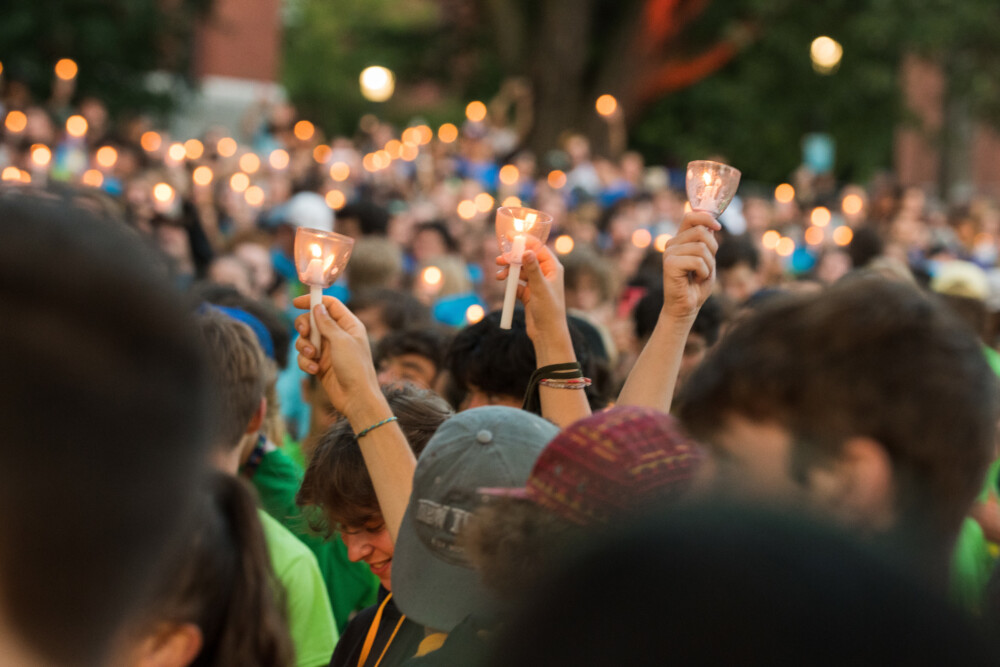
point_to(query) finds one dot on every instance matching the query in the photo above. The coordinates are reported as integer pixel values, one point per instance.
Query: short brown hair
(869, 357)
(336, 479)
(236, 365)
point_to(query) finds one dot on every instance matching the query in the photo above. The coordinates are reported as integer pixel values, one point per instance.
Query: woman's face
(371, 544)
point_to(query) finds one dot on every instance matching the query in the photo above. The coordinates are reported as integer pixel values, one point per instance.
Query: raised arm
(347, 373)
(688, 279)
(545, 317)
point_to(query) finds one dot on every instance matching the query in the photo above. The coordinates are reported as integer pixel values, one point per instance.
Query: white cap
(308, 209)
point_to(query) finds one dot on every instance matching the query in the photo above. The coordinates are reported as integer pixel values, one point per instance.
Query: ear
(257, 421)
(173, 645)
(858, 487)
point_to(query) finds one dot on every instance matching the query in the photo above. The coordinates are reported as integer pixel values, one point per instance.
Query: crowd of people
(764, 438)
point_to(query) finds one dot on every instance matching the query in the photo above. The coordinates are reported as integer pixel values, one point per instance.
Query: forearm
(560, 406)
(653, 377)
(388, 457)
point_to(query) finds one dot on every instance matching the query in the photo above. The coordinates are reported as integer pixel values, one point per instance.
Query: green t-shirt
(310, 620)
(351, 586)
(971, 566)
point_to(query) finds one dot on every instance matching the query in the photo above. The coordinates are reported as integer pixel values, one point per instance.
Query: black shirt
(403, 645)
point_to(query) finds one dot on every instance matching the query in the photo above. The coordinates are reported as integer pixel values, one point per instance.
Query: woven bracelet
(371, 428)
(567, 371)
(575, 383)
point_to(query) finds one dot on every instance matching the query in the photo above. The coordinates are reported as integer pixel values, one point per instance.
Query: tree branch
(664, 19)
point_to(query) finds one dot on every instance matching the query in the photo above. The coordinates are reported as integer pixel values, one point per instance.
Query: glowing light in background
(820, 216)
(784, 193)
(641, 238)
(564, 244)
(825, 54)
(606, 105)
(475, 111)
(66, 69)
(447, 133)
(76, 126)
(227, 147)
(377, 83)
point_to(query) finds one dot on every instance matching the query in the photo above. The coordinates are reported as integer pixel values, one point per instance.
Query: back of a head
(104, 409)
(337, 480)
(236, 369)
(376, 263)
(220, 580)
(266, 314)
(867, 358)
(725, 586)
(736, 250)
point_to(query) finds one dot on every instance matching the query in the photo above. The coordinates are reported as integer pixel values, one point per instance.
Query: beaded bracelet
(575, 383)
(371, 428)
(568, 371)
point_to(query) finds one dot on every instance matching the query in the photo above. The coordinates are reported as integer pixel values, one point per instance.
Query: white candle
(314, 272)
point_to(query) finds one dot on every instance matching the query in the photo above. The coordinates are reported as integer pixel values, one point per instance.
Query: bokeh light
(785, 247)
(432, 276)
(606, 105)
(641, 238)
(467, 209)
(41, 155)
(484, 202)
(254, 195)
(475, 111)
(304, 130)
(92, 178)
(825, 54)
(16, 121)
(511, 201)
(202, 175)
(227, 147)
(10, 174)
(66, 69)
(820, 216)
(564, 244)
(474, 313)
(770, 239)
(106, 156)
(814, 235)
(163, 193)
(193, 149)
(447, 133)
(176, 152)
(784, 193)
(339, 171)
(239, 182)
(843, 235)
(322, 153)
(335, 199)
(852, 204)
(150, 141)
(661, 240)
(509, 174)
(249, 162)
(557, 178)
(76, 126)
(377, 83)
(278, 159)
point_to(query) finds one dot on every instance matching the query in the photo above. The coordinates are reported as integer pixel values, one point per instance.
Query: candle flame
(707, 177)
(526, 224)
(329, 263)
(316, 250)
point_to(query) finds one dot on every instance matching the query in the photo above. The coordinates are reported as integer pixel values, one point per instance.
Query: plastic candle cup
(518, 229)
(320, 258)
(711, 186)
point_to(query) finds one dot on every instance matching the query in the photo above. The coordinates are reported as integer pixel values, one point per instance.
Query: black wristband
(566, 371)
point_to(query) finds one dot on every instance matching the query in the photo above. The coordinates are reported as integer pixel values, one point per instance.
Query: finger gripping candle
(518, 229)
(320, 258)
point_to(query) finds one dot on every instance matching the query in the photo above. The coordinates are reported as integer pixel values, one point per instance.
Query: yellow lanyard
(373, 630)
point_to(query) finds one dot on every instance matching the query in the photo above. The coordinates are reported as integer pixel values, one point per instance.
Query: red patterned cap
(612, 463)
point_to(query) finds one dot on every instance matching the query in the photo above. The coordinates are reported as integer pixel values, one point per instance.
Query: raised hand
(689, 266)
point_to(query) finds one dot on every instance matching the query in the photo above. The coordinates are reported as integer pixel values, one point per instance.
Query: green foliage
(115, 43)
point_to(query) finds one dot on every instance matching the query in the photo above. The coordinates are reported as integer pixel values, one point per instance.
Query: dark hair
(429, 342)
(373, 220)
(865, 245)
(236, 366)
(972, 311)
(220, 579)
(399, 309)
(803, 594)
(706, 324)
(336, 479)
(226, 295)
(438, 227)
(104, 387)
(735, 250)
(501, 361)
(585, 262)
(873, 358)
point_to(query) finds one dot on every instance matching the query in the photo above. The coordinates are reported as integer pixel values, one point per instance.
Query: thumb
(530, 268)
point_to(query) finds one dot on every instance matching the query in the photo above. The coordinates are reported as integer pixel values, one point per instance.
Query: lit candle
(320, 256)
(516, 257)
(314, 278)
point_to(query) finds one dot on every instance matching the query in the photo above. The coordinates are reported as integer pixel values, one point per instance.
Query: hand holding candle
(320, 258)
(517, 229)
(711, 186)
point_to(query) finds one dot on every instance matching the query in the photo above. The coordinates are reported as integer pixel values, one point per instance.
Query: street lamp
(825, 54)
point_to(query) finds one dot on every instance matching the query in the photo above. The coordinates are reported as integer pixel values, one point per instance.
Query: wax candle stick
(514, 226)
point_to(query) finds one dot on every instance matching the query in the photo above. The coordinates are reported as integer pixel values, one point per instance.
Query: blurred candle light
(202, 175)
(474, 313)
(249, 162)
(484, 202)
(377, 83)
(660, 242)
(409, 152)
(16, 121)
(339, 171)
(825, 54)
(475, 111)
(239, 182)
(278, 159)
(382, 159)
(150, 141)
(10, 174)
(784, 193)
(509, 174)
(322, 153)
(557, 179)
(843, 235)
(511, 201)
(447, 133)
(410, 136)
(76, 126)
(606, 105)
(368, 162)
(564, 244)
(176, 152)
(304, 130)
(335, 199)
(641, 238)
(254, 195)
(106, 156)
(424, 134)
(820, 216)
(66, 69)
(785, 247)
(193, 149)
(25, 176)
(770, 239)
(432, 276)
(467, 209)
(394, 148)
(93, 178)
(227, 147)
(814, 235)
(163, 193)
(41, 155)
(852, 204)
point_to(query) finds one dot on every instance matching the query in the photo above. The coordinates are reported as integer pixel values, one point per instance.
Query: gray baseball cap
(432, 581)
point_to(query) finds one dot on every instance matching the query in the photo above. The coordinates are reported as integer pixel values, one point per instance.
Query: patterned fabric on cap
(613, 462)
